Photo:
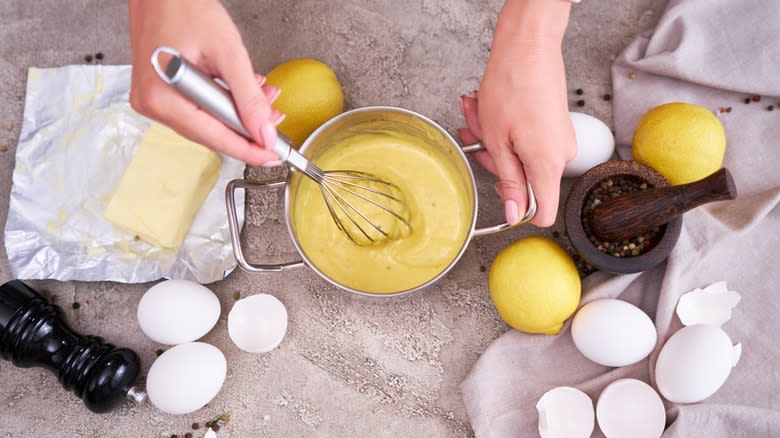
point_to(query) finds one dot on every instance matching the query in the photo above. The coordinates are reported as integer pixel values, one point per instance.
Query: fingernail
(268, 134)
(261, 80)
(273, 163)
(510, 209)
(279, 119)
(275, 94)
(463, 104)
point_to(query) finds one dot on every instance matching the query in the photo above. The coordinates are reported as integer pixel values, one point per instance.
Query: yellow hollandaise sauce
(439, 208)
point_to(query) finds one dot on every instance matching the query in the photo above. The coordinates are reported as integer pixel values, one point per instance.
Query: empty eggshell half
(186, 377)
(613, 332)
(630, 408)
(711, 305)
(177, 311)
(258, 323)
(694, 363)
(565, 412)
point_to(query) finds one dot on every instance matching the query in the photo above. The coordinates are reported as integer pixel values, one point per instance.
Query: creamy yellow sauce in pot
(439, 205)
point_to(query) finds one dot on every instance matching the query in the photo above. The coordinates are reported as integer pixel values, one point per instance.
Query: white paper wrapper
(78, 137)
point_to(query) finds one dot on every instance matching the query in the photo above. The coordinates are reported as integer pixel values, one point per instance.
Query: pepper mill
(34, 332)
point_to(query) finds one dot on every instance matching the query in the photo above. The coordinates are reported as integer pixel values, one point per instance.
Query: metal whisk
(366, 208)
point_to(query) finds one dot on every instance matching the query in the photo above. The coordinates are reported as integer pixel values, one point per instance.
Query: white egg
(630, 408)
(565, 412)
(595, 144)
(186, 377)
(613, 332)
(177, 311)
(258, 323)
(694, 363)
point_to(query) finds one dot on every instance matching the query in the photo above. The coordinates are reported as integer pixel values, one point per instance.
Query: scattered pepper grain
(99, 56)
(236, 296)
(632, 76)
(747, 100)
(770, 108)
(580, 103)
(195, 426)
(3, 149)
(579, 91)
(88, 58)
(756, 98)
(76, 306)
(607, 97)
(482, 269)
(159, 351)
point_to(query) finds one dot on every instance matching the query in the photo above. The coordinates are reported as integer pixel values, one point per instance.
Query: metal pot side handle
(235, 233)
(529, 213)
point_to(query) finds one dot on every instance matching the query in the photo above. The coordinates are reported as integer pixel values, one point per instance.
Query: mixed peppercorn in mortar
(611, 188)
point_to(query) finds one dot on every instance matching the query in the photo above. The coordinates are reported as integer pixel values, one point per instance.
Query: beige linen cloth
(714, 53)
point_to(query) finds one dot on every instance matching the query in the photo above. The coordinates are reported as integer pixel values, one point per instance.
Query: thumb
(252, 104)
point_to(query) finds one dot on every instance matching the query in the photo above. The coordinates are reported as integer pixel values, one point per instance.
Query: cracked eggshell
(595, 144)
(711, 305)
(174, 312)
(694, 363)
(565, 412)
(258, 323)
(186, 377)
(613, 332)
(630, 408)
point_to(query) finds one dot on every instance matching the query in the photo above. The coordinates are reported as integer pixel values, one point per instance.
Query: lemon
(311, 95)
(682, 141)
(534, 285)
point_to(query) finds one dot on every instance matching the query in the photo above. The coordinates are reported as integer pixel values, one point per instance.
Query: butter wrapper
(78, 136)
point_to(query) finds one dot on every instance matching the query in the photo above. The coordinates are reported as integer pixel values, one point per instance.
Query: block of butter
(163, 188)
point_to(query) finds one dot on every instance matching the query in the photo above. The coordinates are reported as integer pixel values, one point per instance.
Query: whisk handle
(212, 97)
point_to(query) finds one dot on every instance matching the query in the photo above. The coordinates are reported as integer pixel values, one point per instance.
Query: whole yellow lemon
(535, 285)
(311, 95)
(682, 141)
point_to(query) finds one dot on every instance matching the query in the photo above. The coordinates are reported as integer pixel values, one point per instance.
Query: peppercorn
(159, 352)
(607, 97)
(770, 108)
(609, 189)
(579, 91)
(3, 148)
(482, 269)
(195, 426)
(236, 296)
(728, 109)
(99, 56)
(580, 103)
(76, 306)
(632, 76)
(756, 98)
(747, 100)
(188, 435)
(88, 58)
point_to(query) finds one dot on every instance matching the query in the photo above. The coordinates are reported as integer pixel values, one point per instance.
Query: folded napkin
(712, 53)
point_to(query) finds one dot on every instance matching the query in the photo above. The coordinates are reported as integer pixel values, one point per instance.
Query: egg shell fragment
(565, 412)
(595, 144)
(177, 311)
(694, 363)
(630, 408)
(613, 332)
(711, 305)
(186, 377)
(258, 323)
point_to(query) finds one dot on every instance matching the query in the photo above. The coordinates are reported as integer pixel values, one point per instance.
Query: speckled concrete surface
(348, 366)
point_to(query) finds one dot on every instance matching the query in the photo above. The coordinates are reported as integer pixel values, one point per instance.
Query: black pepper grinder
(33, 332)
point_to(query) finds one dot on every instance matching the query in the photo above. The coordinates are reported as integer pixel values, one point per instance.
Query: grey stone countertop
(348, 366)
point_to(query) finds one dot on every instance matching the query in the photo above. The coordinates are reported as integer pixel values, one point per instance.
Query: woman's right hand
(202, 31)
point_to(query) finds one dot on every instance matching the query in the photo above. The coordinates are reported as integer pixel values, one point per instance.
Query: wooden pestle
(638, 212)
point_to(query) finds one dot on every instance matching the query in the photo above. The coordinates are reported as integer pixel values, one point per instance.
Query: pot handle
(529, 214)
(235, 237)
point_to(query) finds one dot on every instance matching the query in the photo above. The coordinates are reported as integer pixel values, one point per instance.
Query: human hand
(521, 112)
(202, 31)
